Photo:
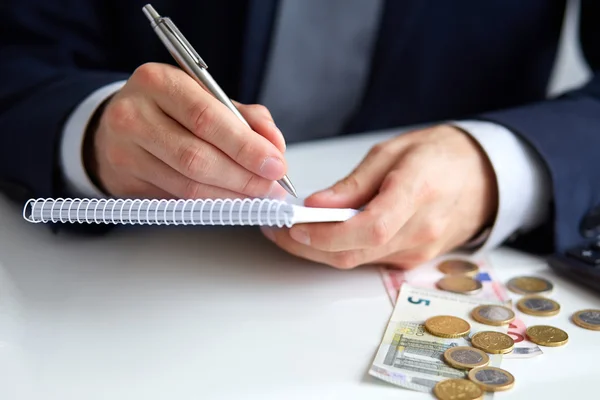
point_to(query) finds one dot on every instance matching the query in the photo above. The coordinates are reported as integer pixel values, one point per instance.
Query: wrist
(90, 161)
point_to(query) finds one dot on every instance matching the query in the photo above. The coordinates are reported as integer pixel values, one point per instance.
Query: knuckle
(431, 232)
(193, 163)
(203, 119)
(118, 157)
(379, 232)
(345, 260)
(121, 115)
(192, 190)
(421, 256)
(350, 183)
(255, 186)
(378, 149)
(149, 74)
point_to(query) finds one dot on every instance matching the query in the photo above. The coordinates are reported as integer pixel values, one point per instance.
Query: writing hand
(163, 136)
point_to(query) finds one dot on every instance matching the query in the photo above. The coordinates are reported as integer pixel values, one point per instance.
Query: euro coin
(588, 319)
(493, 315)
(452, 389)
(492, 379)
(458, 267)
(546, 335)
(493, 342)
(447, 326)
(529, 285)
(459, 284)
(465, 357)
(539, 306)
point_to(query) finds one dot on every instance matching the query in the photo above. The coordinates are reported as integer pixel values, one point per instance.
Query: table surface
(220, 313)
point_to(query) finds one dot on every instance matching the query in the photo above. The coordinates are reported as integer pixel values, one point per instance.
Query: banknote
(408, 356)
(426, 275)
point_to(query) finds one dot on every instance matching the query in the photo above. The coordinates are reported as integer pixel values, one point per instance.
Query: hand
(426, 192)
(163, 136)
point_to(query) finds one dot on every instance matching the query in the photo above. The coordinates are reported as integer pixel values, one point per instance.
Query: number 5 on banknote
(411, 300)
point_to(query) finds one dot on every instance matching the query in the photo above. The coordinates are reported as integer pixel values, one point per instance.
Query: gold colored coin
(452, 389)
(458, 267)
(447, 326)
(529, 285)
(493, 342)
(465, 357)
(493, 315)
(546, 335)
(492, 379)
(588, 319)
(459, 284)
(539, 306)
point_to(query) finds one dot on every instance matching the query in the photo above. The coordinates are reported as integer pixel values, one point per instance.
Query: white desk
(182, 313)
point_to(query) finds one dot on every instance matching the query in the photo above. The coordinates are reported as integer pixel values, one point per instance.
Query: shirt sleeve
(523, 184)
(72, 166)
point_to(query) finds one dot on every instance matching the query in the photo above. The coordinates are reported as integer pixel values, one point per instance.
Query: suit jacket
(434, 60)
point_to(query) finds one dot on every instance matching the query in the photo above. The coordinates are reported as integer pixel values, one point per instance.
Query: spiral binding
(160, 212)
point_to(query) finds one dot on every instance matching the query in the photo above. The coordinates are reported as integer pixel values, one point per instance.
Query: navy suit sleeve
(565, 131)
(53, 55)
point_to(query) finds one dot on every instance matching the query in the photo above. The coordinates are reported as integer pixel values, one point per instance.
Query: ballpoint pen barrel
(190, 61)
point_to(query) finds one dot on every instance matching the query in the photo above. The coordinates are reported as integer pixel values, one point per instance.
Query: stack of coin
(458, 267)
(459, 284)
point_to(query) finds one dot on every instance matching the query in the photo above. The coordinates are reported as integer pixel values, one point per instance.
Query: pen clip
(183, 41)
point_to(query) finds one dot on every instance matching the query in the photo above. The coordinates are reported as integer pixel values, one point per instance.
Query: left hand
(425, 193)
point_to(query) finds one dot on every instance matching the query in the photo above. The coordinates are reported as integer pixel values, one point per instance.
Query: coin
(465, 357)
(529, 285)
(588, 319)
(546, 335)
(458, 267)
(492, 379)
(493, 315)
(493, 342)
(447, 326)
(459, 284)
(538, 306)
(451, 389)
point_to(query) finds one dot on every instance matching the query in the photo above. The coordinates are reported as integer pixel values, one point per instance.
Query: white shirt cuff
(524, 190)
(76, 177)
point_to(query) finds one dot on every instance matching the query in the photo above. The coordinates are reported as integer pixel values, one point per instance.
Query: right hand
(163, 136)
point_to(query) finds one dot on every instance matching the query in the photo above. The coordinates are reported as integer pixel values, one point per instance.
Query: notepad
(262, 212)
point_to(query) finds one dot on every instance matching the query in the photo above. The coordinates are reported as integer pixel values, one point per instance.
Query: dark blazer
(434, 60)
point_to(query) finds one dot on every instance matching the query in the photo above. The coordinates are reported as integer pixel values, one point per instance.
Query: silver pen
(185, 55)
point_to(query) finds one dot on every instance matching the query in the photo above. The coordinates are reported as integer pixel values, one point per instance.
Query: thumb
(360, 186)
(260, 120)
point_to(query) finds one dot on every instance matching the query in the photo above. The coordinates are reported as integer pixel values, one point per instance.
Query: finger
(197, 160)
(412, 258)
(180, 97)
(155, 172)
(340, 260)
(380, 221)
(261, 121)
(361, 185)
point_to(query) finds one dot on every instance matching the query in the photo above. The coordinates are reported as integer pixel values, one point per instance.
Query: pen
(185, 55)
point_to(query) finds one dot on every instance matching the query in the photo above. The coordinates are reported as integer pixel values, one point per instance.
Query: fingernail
(300, 235)
(268, 232)
(272, 168)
